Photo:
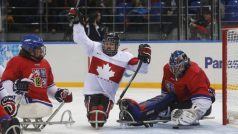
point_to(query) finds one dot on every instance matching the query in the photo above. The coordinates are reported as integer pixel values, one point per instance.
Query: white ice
(209, 126)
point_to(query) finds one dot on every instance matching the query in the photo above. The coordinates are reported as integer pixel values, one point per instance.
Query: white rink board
(69, 62)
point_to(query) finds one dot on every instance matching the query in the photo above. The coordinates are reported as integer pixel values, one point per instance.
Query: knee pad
(97, 117)
(34, 110)
(128, 103)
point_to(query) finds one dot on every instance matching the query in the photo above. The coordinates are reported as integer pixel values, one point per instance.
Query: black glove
(63, 95)
(22, 86)
(74, 17)
(8, 103)
(144, 53)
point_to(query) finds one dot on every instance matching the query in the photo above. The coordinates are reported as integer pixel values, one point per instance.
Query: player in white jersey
(107, 67)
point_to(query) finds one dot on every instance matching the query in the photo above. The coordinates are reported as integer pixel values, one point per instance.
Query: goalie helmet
(110, 44)
(33, 46)
(178, 63)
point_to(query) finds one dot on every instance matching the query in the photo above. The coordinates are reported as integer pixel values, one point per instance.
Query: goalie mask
(33, 47)
(110, 44)
(178, 63)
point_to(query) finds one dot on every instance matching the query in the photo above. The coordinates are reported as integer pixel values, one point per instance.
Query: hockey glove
(144, 53)
(184, 116)
(74, 17)
(8, 103)
(22, 86)
(63, 95)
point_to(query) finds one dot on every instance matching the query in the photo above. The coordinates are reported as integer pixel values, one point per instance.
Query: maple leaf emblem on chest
(105, 71)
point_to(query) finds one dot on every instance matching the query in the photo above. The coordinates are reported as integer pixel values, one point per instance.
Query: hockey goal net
(230, 75)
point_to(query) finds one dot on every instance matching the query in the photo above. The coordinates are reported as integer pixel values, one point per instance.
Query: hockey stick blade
(129, 83)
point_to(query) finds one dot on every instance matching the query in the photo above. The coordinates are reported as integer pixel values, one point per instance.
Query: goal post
(230, 75)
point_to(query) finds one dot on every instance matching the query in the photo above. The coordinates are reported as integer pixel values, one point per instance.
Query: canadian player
(186, 92)
(106, 70)
(28, 78)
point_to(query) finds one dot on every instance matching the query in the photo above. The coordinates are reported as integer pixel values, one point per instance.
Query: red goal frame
(225, 119)
(224, 77)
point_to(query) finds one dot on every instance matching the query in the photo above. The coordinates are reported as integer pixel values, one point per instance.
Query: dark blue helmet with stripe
(178, 63)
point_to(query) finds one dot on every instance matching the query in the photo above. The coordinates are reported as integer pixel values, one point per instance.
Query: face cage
(110, 52)
(35, 55)
(177, 69)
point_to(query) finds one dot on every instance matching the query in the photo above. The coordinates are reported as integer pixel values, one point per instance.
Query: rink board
(70, 64)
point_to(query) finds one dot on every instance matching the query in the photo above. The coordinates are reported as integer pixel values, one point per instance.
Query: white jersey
(1, 71)
(105, 72)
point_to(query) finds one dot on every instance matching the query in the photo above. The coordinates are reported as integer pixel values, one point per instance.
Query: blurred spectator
(55, 7)
(155, 10)
(231, 11)
(94, 29)
(194, 6)
(208, 3)
(27, 13)
(169, 19)
(10, 23)
(123, 7)
(139, 15)
(200, 27)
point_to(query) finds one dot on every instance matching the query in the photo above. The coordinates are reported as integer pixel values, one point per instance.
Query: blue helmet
(178, 63)
(34, 46)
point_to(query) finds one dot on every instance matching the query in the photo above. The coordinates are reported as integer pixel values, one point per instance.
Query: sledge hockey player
(8, 124)
(28, 78)
(186, 92)
(107, 67)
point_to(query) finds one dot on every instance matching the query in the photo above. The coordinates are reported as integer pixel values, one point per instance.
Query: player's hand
(63, 95)
(75, 17)
(22, 86)
(8, 103)
(144, 53)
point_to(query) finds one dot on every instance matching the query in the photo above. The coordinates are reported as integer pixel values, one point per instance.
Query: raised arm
(82, 39)
(79, 35)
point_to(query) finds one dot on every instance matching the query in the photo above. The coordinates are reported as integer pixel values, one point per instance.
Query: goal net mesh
(231, 75)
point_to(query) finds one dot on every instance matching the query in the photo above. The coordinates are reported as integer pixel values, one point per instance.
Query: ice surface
(211, 126)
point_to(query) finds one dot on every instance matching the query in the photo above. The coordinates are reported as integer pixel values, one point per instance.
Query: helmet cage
(178, 63)
(113, 39)
(38, 52)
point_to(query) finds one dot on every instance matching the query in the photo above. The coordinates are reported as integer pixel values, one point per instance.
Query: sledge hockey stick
(77, 4)
(128, 85)
(53, 115)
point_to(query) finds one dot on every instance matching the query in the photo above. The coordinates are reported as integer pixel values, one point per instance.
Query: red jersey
(19, 67)
(192, 85)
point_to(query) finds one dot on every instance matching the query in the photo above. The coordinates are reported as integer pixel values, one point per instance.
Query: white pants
(33, 108)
